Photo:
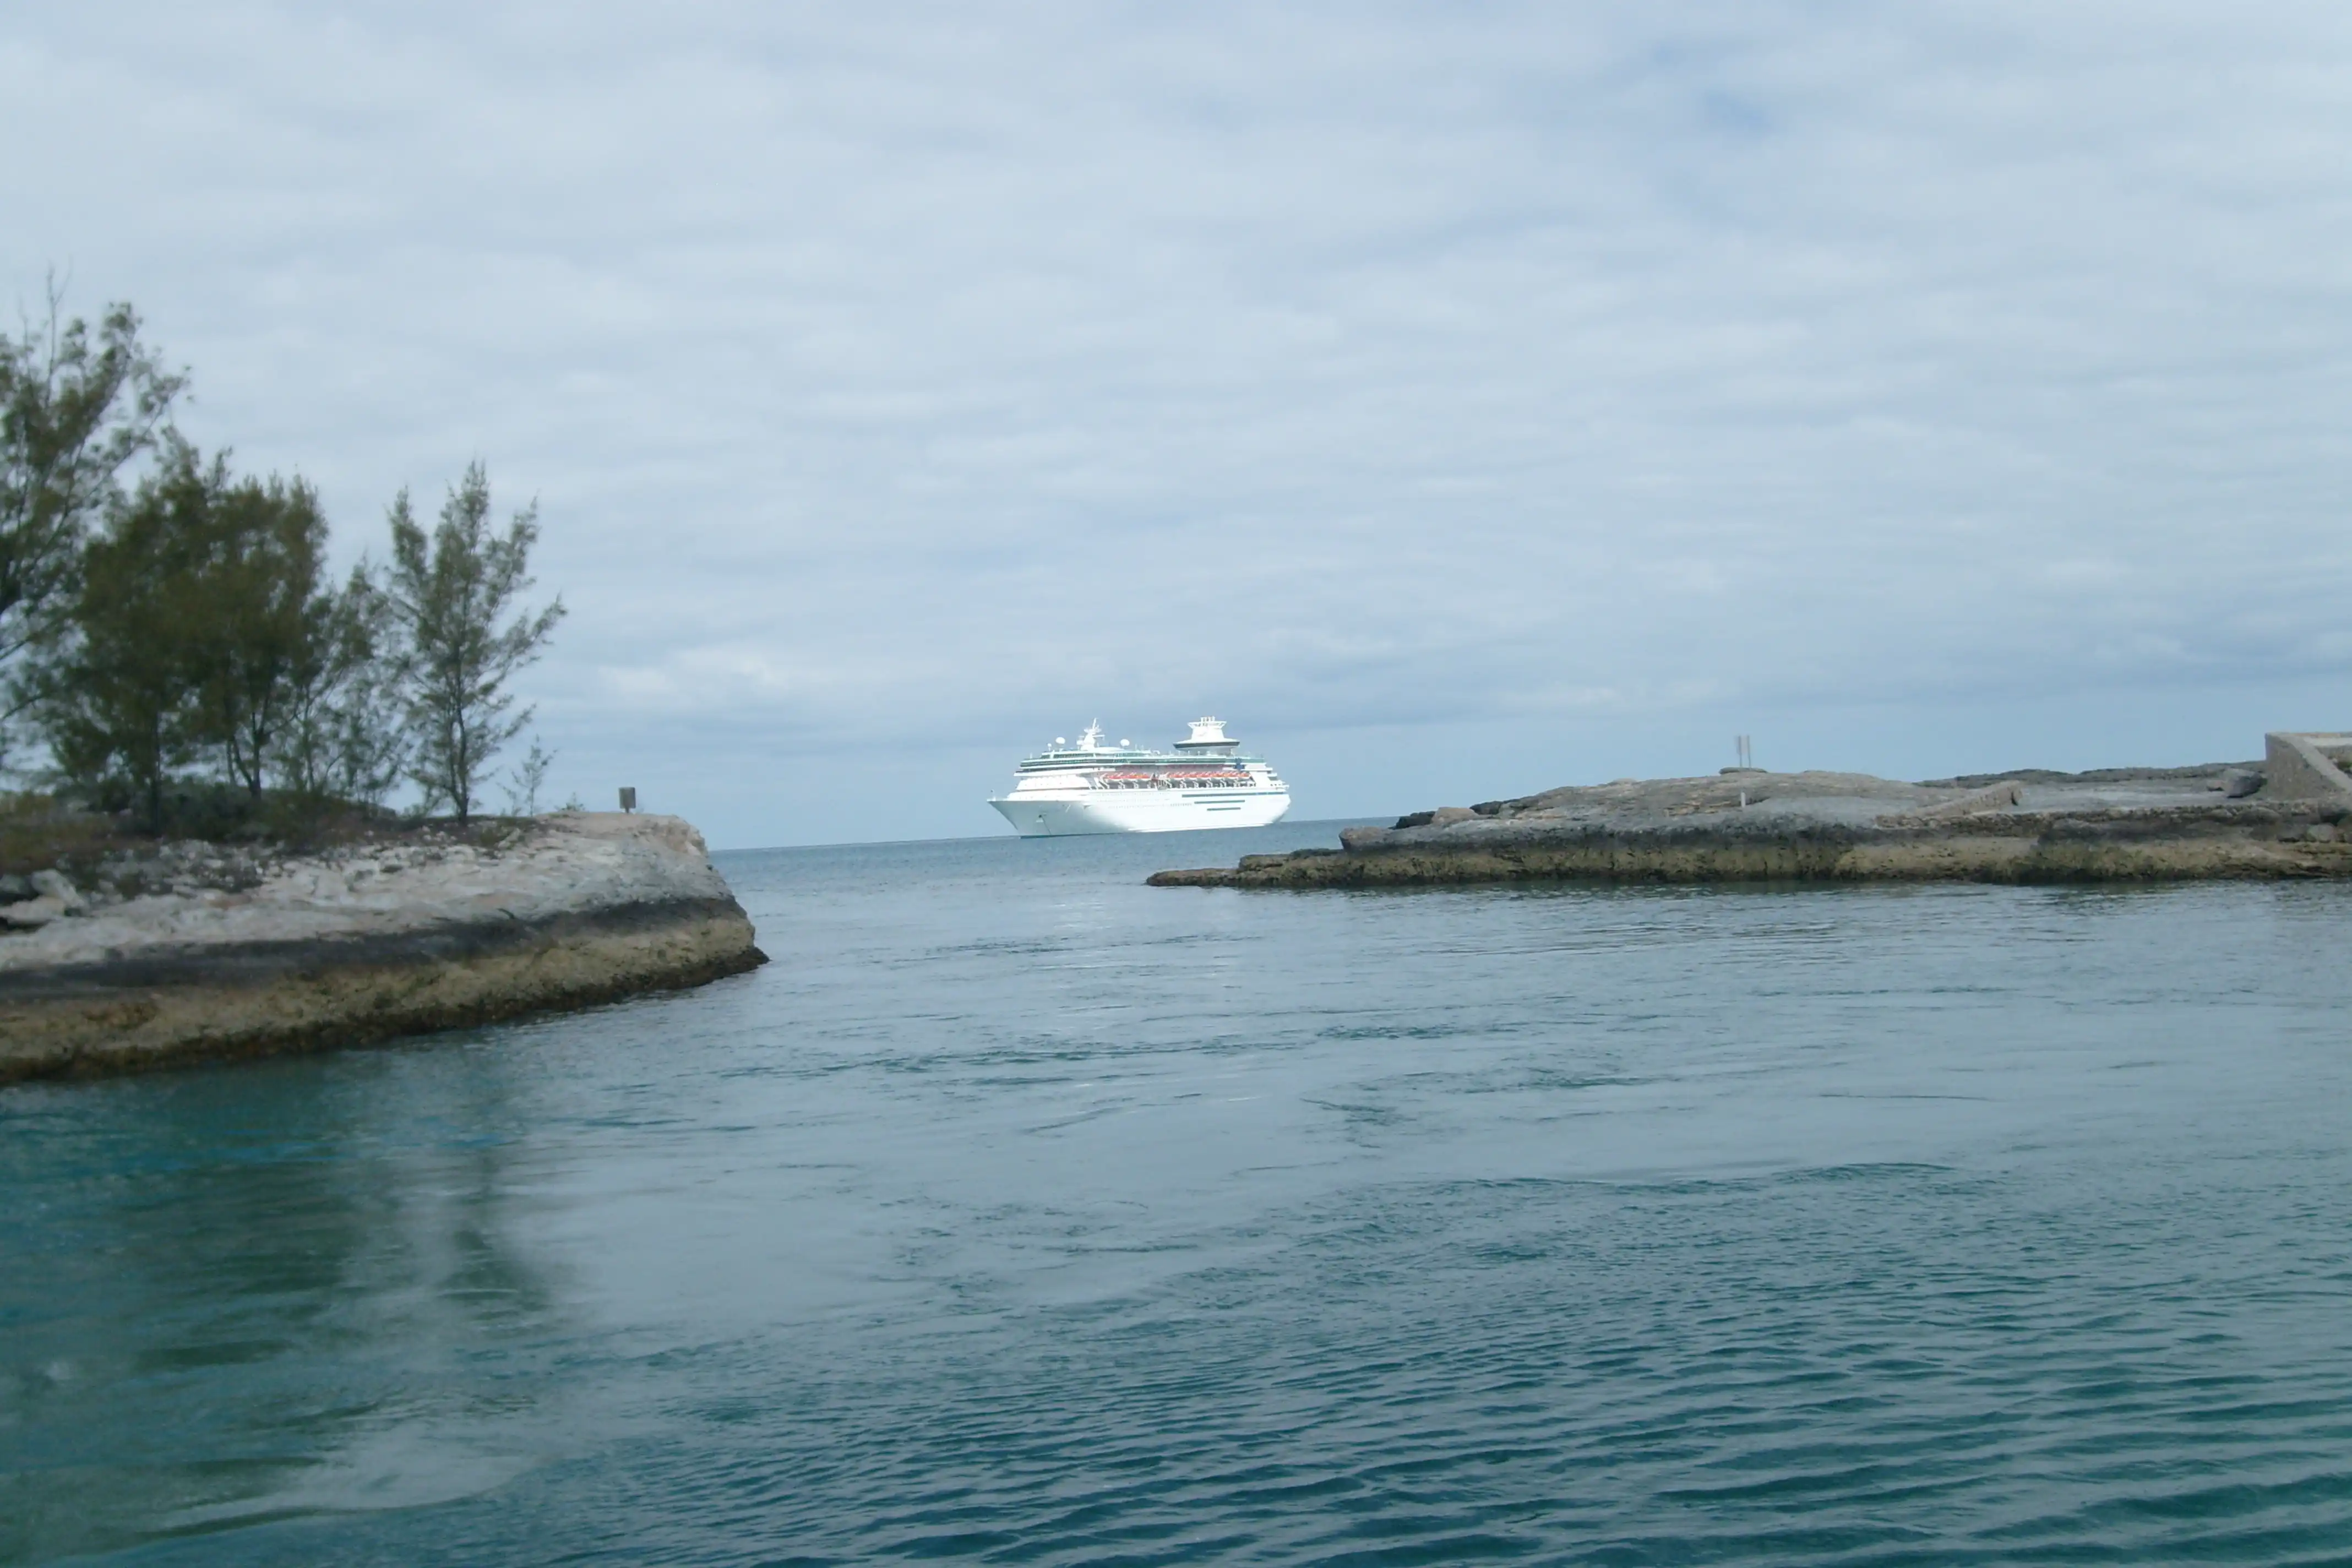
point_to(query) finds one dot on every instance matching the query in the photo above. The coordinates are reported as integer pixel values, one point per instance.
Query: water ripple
(1019, 1213)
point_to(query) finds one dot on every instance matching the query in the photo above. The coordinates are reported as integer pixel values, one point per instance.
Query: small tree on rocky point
(267, 632)
(344, 716)
(198, 626)
(76, 408)
(449, 597)
(118, 697)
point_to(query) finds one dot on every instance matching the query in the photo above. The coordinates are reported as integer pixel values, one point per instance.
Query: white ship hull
(1044, 817)
(1204, 780)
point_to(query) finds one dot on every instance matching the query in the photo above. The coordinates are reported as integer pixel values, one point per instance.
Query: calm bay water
(1019, 1212)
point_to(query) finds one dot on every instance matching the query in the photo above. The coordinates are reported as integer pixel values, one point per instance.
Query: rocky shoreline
(2288, 816)
(361, 943)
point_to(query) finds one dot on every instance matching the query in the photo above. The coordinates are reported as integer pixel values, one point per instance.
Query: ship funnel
(1208, 739)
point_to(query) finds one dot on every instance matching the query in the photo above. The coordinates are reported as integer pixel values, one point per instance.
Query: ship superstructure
(1204, 781)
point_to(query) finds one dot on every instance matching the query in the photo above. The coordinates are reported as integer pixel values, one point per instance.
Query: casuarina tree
(269, 627)
(76, 406)
(199, 627)
(344, 735)
(118, 696)
(452, 595)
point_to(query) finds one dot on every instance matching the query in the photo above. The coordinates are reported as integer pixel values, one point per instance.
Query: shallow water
(1020, 1213)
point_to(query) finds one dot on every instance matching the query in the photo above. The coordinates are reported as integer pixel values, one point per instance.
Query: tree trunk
(461, 779)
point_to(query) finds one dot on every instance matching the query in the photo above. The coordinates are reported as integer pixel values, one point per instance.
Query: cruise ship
(1204, 780)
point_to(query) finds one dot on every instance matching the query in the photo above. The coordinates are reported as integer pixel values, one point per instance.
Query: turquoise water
(1019, 1212)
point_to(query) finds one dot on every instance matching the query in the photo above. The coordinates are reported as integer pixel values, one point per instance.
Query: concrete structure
(2296, 767)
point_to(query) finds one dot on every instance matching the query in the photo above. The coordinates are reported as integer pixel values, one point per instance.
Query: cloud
(908, 377)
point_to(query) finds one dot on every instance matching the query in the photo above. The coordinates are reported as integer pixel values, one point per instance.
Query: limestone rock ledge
(2116, 825)
(371, 942)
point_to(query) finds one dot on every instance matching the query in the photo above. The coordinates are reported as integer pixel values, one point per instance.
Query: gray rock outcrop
(47, 896)
(363, 943)
(2116, 824)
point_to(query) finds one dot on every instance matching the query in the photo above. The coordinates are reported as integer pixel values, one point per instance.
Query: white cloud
(919, 377)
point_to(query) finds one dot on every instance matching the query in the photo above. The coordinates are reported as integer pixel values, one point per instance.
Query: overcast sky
(1458, 400)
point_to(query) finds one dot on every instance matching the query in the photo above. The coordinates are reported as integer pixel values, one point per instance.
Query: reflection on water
(266, 1291)
(1020, 1213)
